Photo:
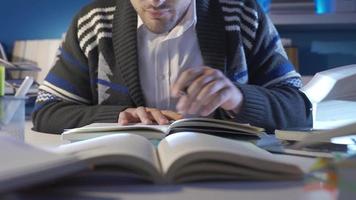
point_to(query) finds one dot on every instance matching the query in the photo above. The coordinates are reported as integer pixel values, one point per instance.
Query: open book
(333, 96)
(181, 157)
(204, 125)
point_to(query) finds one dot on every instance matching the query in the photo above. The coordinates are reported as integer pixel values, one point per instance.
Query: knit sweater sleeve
(272, 98)
(65, 99)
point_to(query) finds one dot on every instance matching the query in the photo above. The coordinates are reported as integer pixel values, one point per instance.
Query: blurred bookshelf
(336, 20)
(318, 41)
(303, 13)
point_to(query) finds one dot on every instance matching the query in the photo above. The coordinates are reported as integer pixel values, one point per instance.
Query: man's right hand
(147, 116)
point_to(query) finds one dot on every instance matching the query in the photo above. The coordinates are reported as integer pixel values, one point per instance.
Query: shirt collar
(190, 19)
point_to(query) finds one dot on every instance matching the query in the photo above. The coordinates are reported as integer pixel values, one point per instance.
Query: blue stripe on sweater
(272, 44)
(263, 52)
(114, 86)
(240, 75)
(267, 51)
(278, 71)
(281, 70)
(71, 60)
(62, 83)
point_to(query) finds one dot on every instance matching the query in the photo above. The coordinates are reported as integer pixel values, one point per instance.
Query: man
(145, 60)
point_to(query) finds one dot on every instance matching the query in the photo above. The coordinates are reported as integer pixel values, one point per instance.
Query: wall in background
(322, 48)
(35, 19)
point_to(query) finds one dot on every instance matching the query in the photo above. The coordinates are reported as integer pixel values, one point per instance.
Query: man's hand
(202, 90)
(147, 116)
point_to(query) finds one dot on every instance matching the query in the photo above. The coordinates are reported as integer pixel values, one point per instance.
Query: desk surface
(108, 190)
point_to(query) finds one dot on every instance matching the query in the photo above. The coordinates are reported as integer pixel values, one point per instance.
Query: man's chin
(158, 28)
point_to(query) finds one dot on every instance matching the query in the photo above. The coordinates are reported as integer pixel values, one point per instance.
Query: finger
(159, 117)
(185, 79)
(126, 117)
(197, 86)
(143, 115)
(211, 89)
(195, 107)
(204, 96)
(199, 83)
(182, 105)
(214, 102)
(172, 115)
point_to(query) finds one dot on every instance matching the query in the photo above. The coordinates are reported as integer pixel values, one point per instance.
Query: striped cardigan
(96, 73)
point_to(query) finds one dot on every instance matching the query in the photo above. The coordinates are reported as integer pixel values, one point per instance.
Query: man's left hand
(201, 90)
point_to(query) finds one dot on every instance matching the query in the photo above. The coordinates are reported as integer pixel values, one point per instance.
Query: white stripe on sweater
(250, 20)
(232, 2)
(44, 96)
(95, 43)
(244, 7)
(232, 28)
(245, 28)
(247, 43)
(248, 31)
(93, 33)
(93, 12)
(48, 87)
(284, 77)
(92, 22)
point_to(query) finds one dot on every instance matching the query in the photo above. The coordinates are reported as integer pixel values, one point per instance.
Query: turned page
(213, 126)
(126, 151)
(101, 129)
(205, 125)
(180, 150)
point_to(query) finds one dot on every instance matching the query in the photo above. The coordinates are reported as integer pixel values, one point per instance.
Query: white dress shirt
(162, 57)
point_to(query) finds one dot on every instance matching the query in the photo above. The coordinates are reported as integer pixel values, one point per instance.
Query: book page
(332, 84)
(334, 113)
(180, 150)
(123, 151)
(345, 130)
(214, 125)
(101, 129)
(205, 125)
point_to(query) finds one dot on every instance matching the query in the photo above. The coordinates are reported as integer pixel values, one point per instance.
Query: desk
(107, 190)
(43, 140)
